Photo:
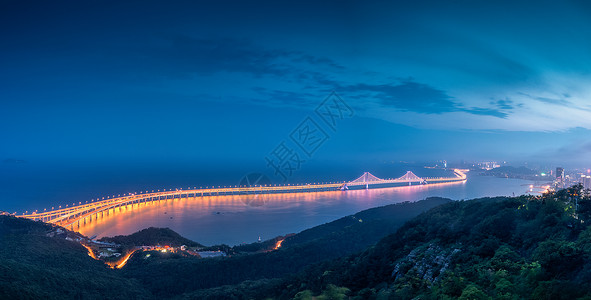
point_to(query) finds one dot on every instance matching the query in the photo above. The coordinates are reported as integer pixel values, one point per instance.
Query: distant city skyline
(224, 83)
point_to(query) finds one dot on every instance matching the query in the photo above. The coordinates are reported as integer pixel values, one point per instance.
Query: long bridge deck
(75, 214)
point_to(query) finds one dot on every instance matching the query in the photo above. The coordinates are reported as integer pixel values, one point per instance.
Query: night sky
(224, 83)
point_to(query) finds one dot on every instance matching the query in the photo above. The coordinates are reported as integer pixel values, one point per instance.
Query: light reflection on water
(237, 219)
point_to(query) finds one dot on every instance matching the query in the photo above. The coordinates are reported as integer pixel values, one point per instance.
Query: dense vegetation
(356, 232)
(501, 248)
(513, 172)
(37, 262)
(166, 275)
(152, 236)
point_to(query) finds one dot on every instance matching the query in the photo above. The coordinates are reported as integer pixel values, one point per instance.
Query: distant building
(560, 173)
(560, 180)
(488, 165)
(587, 182)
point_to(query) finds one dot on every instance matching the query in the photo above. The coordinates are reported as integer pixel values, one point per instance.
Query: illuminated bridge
(81, 213)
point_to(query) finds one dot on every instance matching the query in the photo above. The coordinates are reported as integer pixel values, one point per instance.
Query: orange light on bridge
(65, 216)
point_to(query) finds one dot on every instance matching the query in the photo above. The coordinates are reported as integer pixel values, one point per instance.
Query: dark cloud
(187, 55)
(503, 107)
(410, 96)
(503, 104)
(555, 101)
(486, 112)
(422, 98)
(184, 56)
(313, 60)
(559, 102)
(207, 56)
(286, 97)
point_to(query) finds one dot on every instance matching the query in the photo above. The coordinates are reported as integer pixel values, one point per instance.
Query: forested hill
(152, 236)
(168, 277)
(503, 248)
(42, 261)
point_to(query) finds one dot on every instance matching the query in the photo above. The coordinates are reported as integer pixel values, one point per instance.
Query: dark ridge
(152, 236)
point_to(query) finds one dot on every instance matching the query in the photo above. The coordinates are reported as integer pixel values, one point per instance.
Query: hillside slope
(175, 275)
(152, 236)
(38, 262)
(505, 248)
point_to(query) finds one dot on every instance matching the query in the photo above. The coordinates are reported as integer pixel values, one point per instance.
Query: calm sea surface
(222, 219)
(242, 219)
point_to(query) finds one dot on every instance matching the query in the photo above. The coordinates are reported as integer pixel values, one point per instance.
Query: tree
(332, 292)
(304, 295)
(472, 292)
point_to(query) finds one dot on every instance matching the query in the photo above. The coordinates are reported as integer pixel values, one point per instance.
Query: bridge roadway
(69, 216)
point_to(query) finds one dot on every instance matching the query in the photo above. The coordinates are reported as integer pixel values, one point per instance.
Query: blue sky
(225, 82)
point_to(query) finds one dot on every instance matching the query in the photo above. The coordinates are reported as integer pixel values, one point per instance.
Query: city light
(278, 244)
